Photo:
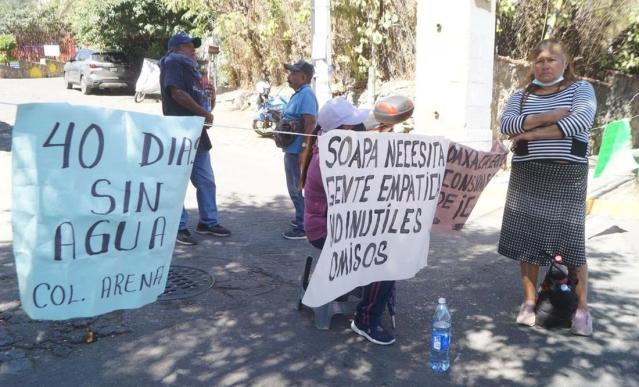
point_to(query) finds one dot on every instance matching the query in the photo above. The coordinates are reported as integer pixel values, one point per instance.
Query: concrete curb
(597, 204)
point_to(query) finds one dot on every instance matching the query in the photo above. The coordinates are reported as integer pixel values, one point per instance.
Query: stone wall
(27, 69)
(614, 97)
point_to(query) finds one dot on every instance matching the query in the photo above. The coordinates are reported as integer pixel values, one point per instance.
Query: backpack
(556, 299)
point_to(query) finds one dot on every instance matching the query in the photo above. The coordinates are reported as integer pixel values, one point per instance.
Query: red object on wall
(30, 46)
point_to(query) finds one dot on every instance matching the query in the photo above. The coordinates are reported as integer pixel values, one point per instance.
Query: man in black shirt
(183, 94)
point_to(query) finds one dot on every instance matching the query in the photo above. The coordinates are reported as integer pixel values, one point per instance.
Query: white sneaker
(526, 314)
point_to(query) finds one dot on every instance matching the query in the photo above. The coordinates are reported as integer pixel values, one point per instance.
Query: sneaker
(526, 314)
(217, 230)
(294, 233)
(294, 223)
(582, 323)
(184, 238)
(377, 334)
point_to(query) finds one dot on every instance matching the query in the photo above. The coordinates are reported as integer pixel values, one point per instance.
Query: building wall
(28, 69)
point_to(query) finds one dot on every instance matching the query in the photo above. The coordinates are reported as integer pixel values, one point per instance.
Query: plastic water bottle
(441, 338)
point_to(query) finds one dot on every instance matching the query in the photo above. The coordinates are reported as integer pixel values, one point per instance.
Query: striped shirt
(579, 97)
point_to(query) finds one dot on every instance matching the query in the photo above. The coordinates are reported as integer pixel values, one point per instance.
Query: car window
(82, 55)
(110, 57)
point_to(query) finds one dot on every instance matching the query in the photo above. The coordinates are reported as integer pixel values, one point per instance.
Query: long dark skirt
(545, 213)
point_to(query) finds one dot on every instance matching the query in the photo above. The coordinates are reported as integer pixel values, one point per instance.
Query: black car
(91, 69)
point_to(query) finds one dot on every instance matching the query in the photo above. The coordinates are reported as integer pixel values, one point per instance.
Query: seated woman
(338, 113)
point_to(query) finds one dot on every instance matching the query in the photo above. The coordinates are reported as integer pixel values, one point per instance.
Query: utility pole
(321, 49)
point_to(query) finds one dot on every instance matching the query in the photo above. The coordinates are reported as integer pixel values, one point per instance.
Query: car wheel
(139, 96)
(84, 88)
(263, 128)
(67, 84)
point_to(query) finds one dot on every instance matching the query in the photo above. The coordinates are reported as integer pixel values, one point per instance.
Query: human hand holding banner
(97, 195)
(382, 191)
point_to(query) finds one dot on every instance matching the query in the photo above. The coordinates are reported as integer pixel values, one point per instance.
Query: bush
(7, 44)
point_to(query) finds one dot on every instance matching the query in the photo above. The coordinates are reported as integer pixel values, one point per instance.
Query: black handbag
(556, 299)
(282, 140)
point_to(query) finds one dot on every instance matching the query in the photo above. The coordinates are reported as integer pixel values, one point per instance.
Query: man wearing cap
(302, 107)
(183, 94)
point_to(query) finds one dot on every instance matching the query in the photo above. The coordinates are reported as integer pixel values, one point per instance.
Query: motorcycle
(269, 110)
(148, 82)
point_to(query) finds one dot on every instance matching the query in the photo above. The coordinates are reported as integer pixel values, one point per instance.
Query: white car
(91, 69)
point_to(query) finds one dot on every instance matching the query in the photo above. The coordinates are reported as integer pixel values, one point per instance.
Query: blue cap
(182, 38)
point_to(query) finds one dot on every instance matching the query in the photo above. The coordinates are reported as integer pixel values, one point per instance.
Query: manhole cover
(185, 282)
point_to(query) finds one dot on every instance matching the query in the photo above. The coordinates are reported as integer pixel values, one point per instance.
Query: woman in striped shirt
(548, 122)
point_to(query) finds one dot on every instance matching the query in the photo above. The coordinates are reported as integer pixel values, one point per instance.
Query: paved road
(245, 331)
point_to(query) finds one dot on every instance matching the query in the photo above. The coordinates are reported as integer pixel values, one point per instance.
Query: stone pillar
(455, 54)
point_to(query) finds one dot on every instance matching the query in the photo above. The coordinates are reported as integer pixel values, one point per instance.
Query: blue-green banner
(97, 195)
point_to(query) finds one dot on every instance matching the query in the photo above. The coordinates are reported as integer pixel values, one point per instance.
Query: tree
(255, 36)
(368, 33)
(7, 44)
(589, 29)
(138, 27)
(19, 17)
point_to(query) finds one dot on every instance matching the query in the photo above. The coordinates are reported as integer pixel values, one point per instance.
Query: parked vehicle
(148, 83)
(269, 110)
(92, 70)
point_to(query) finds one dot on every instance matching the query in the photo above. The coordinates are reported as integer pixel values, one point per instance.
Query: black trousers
(375, 297)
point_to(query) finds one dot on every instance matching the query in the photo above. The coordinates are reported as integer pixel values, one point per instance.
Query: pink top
(315, 204)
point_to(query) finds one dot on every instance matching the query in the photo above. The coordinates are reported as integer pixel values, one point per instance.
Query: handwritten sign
(97, 195)
(382, 191)
(468, 171)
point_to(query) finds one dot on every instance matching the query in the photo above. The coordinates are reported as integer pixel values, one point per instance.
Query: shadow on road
(246, 331)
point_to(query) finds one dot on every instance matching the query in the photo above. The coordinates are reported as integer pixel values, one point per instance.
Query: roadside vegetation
(255, 37)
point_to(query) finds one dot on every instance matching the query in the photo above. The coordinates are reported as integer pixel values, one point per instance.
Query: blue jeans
(204, 183)
(292, 169)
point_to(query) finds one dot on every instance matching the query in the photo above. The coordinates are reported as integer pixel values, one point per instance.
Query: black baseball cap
(303, 66)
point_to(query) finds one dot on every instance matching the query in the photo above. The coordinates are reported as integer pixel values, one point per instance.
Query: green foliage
(600, 34)
(623, 53)
(369, 33)
(138, 27)
(19, 17)
(255, 37)
(7, 42)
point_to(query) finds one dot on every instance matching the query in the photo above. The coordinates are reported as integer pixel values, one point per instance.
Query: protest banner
(96, 200)
(382, 191)
(468, 172)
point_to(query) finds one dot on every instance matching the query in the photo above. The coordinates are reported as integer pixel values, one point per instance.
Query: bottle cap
(442, 300)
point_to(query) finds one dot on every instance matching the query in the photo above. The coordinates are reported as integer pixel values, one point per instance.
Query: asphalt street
(246, 331)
